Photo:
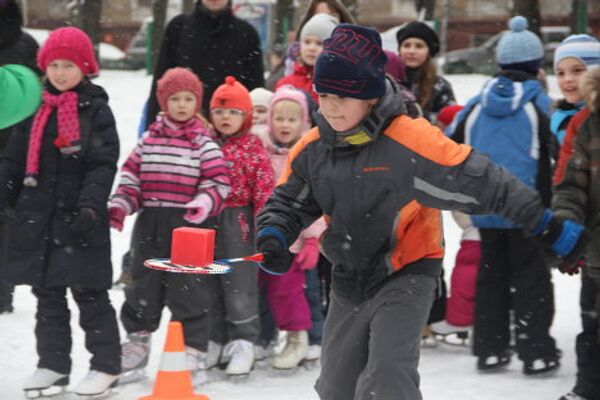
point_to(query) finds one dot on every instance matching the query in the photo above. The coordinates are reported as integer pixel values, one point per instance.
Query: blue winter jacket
(509, 121)
(561, 117)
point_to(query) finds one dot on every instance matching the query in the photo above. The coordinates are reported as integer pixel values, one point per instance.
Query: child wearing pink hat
(56, 176)
(175, 176)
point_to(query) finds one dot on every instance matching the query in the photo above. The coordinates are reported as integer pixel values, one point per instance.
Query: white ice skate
(196, 364)
(572, 396)
(96, 385)
(241, 353)
(134, 357)
(451, 334)
(45, 383)
(294, 351)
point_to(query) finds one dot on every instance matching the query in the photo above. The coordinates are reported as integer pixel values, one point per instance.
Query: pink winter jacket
(278, 157)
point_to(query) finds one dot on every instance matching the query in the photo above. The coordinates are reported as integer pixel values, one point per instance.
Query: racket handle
(258, 257)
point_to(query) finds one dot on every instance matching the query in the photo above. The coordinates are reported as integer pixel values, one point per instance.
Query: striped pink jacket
(170, 166)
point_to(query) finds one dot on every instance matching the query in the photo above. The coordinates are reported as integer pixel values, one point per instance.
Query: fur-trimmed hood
(590, 89)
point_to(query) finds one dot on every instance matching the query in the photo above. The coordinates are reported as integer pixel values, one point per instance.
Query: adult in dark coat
(45, 249)
(16, 47)
(213, 43)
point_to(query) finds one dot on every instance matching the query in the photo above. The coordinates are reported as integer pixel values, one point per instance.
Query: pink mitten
(117, 216)
(197, 210)
(308, 257)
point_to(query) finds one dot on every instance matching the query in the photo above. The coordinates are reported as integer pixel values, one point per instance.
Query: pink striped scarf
(67, 140)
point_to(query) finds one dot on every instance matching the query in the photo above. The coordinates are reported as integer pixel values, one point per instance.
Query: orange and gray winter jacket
(380, 189)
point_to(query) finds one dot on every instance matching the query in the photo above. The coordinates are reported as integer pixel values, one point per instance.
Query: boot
(295, 351)
(96, 383)
(241, 353)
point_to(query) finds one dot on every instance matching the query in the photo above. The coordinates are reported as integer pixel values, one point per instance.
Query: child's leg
(313, 295)
(587, 344)
(532, 298)
(6, 296)
(144, 297)
(492, 305)
(267, 322)
(438, 308)
(381, 334)
(53, 329)
(98, 319)
(460, 308)
(287, 301)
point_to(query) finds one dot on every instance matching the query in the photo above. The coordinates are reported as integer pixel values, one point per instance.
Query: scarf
(188, 130)
(67, 140)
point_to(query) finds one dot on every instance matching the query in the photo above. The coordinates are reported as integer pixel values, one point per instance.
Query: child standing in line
(509, 120)
(175, 176)
(375, 174)
(576, 194)
(289, 120)
(313, 33)
(56, 177)
(236, 321)
(261, 98)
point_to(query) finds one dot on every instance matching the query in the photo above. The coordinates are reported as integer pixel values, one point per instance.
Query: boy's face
(259, 115)
(181, 105)
(414, 52)
(344, 113)
(286, 121)
(568, 74)
(227, 121)
(63, 74)
(310, 48)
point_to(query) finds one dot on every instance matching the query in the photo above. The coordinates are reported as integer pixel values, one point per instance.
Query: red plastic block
(193, 246)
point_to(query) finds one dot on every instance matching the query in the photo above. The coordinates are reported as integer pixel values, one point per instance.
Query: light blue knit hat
(583, 47)
(518, 45)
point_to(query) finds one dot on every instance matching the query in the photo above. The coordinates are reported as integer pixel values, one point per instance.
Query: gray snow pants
(187, 296)
(371, 349)
(235, 313)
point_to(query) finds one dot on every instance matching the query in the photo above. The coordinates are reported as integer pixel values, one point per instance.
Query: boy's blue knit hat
(583, 47)
(352, 63)
(519, 46)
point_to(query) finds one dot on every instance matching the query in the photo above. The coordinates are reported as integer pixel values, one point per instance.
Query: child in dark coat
(56, 178)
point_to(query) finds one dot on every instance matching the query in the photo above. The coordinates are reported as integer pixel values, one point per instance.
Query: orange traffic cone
(174, 381)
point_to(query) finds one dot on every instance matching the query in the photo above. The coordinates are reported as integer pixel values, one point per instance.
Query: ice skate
(542, 365)
(493, 362)
(196, 364)
(45, 383)
(96, 385)
(135, 353)
(451, 334)
(241, 353)
(294, 352)
(572, 396)
(313, 357)
(427, 338)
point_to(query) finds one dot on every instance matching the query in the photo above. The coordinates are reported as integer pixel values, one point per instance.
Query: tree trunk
(86, 14)
(159, 15)
(425, 9)
(530, 9)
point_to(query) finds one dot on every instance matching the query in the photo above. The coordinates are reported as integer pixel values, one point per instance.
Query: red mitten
(308, 257)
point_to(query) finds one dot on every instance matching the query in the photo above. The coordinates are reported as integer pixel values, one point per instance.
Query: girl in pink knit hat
(288, 121)
(175, 176)
(58, 171)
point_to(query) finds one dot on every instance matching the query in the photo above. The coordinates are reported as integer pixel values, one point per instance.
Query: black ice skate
(542, 365)
(45, 383)
(493, 362)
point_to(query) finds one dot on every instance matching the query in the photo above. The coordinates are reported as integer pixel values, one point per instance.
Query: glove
(308, 257)
(197, 210)
(85, 221)
(117, 217)
(273, 245)
(567, 238)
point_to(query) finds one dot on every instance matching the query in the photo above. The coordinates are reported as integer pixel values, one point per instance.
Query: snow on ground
(446, 372)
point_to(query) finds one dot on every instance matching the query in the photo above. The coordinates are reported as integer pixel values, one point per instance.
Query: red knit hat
(447, 114)
(69, 44)
(233, 94)
(175, 80)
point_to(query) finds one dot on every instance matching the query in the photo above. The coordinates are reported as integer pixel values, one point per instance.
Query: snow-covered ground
(446, 372)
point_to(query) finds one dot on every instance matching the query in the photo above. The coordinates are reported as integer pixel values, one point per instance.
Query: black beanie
(352, 63)
(11, 21)
(420, 30)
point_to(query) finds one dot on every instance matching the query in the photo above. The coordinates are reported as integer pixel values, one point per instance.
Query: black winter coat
(213, 46)
(41, 248)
